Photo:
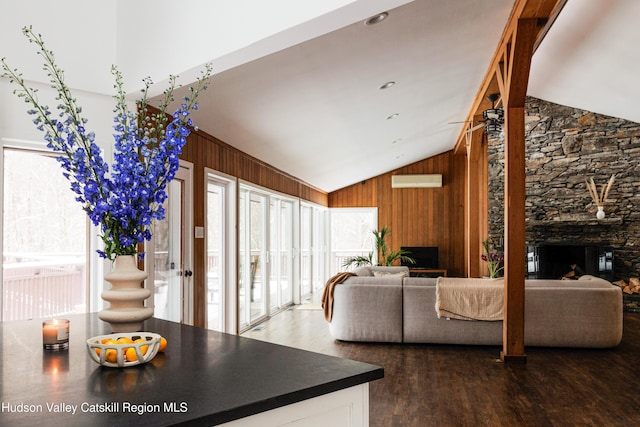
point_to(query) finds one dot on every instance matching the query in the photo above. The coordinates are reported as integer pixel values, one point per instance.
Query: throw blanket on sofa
(327, 293)
(470, 299)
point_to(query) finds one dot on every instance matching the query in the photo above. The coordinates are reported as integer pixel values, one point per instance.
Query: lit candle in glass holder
(55, 334)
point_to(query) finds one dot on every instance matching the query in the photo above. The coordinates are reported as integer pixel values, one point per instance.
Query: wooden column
(518, 62)
(509, 75)
(514, 236)
(476, 209)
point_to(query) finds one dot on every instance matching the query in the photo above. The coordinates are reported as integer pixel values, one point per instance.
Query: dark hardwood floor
(445, 385)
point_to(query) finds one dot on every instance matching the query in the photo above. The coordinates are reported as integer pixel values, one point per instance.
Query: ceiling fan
(493, 118)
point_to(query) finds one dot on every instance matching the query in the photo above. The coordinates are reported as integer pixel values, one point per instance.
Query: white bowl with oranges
(125, 349)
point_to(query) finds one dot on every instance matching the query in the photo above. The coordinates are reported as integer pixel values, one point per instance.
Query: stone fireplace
(565, 146)
(569, 261)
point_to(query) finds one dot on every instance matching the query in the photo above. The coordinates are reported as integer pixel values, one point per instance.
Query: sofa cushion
(367, 270)
(390, 274)
(366, 280)
(583, 282)
(421, 323)
(420, 281)
(371, 312)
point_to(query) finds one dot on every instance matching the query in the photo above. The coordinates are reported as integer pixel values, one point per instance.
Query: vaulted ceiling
(307, 100)
(315, 110)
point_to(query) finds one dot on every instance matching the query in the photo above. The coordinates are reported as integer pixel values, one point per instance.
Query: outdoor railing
(43, 288)
(50, 286)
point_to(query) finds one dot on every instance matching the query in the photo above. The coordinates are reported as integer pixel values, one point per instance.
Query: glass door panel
(281, 253)
(319, 257)
(274, 259)
(244, 269)
(285, 241)
(258, 256)
(305, 250)
(215, 255)
(167, 253)
(253, 271)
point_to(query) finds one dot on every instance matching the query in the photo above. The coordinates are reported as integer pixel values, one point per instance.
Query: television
(426, 257)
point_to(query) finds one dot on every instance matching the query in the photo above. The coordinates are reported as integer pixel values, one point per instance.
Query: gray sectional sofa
(397, 309)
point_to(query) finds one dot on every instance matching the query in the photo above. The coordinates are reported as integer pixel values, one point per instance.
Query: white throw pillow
(390, 274)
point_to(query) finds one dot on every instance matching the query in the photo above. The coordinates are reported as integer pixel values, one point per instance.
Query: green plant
(494, 259)
(385, 257)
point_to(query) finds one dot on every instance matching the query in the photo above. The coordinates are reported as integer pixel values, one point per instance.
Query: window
(280, 253)
(313, 238)
(351, 234)
(267, 248)
(44, 240)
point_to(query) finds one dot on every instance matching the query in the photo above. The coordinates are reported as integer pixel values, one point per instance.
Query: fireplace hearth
(556, 261)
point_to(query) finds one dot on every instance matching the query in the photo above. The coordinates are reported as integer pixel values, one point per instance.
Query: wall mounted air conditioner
(416, 181)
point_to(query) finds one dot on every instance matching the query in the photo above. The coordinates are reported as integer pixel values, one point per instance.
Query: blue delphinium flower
(125, 200)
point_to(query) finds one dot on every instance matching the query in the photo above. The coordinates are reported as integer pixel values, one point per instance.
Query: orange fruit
(143, 348)
(104, 341)
(124, 340)
(131, 355)
(163, 344)
(111, 355)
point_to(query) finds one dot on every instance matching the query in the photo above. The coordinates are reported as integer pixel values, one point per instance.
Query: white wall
(156, 38)
(81, 34)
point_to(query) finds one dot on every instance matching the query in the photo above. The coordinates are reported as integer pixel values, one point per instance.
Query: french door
(281, 254)
(253, 258)
(169, 254)
(221, 297)
(266, 253)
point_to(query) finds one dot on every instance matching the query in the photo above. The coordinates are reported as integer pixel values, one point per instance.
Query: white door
(169, 259)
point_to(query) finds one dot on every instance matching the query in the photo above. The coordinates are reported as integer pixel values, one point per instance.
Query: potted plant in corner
(125, 198)
(385, 257)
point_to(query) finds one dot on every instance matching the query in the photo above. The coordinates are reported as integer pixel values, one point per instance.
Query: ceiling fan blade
(476, 127)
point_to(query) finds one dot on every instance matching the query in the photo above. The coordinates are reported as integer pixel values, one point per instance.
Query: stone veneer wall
(564, 146)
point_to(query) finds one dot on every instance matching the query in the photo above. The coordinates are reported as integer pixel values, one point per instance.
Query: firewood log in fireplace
(574, 272)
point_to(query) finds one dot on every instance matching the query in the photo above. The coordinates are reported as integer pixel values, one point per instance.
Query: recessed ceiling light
(393, 116)
(387, 85)
(376, 19)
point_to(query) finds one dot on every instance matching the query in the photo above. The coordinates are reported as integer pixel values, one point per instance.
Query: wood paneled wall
(418, 216)
(205, 151)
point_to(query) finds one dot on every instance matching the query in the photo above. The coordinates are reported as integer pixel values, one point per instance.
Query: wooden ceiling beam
(545, 11)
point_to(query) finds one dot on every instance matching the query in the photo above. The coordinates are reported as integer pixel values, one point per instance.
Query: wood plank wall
(205, 151)
(418, 216)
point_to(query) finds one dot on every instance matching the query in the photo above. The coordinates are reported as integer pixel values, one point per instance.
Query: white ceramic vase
(126, 312)
(600, 214)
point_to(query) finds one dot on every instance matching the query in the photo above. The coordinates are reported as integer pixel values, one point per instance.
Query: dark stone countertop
(203, 378)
